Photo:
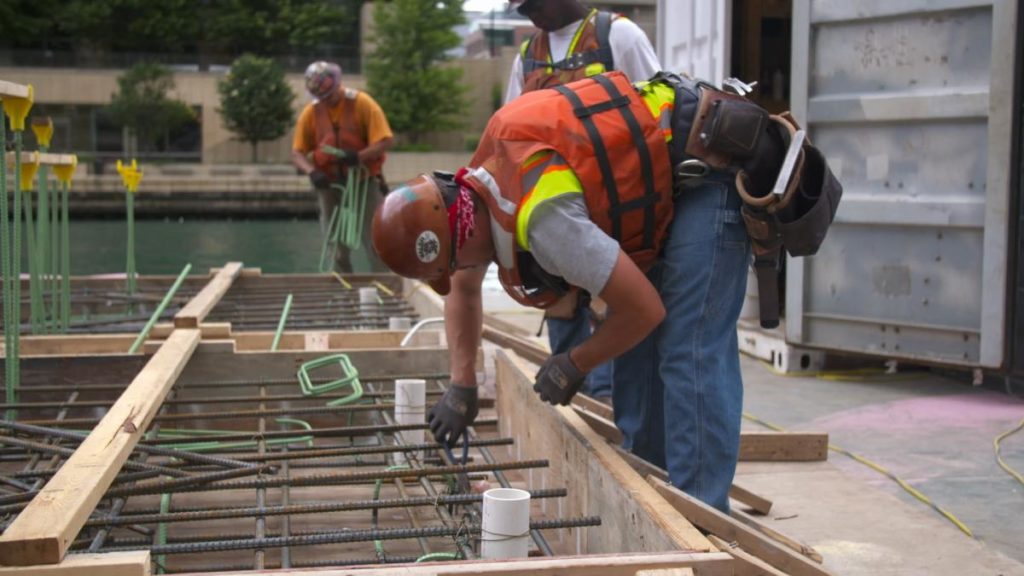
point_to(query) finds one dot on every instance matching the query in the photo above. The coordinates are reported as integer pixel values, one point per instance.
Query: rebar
(62, 451)
(335, 479)
(200, 400)
(308, 454)
(347, 536)
(248, 512)
(153, 450)
(215, 384)
(223, 415)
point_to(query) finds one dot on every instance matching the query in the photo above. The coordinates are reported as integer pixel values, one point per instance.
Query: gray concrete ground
(934, 431)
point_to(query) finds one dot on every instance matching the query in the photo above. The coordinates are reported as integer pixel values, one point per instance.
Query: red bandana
(461, 219)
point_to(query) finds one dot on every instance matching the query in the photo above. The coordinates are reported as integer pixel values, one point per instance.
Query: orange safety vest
(347, 135)
(589, 54)
(608, 137)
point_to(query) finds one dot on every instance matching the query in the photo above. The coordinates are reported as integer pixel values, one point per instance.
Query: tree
(405, 72)
(143, 107)
(255, 100)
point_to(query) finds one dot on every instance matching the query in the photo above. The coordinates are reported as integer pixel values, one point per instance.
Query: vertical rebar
(34, 292)
(261, 492)
(53, 265)
(159, 310)
(281, 322)
(5, 256)
(65, 259)
(129, 202)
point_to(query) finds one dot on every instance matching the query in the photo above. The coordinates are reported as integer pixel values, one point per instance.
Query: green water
(164, 247)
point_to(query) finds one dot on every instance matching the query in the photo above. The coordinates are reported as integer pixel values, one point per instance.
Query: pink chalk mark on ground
(979, 409)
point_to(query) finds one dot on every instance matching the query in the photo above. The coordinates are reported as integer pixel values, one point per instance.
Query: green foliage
(264, 27)
(471, 142)
(405, 72)
(255, 100)
(142, 104)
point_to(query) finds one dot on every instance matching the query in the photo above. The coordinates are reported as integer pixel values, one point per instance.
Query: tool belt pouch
(729, 135)
(733, 128)
(565, 308)
(804, 220)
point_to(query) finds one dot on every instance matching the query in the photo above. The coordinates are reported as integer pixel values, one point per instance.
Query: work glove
(319, 179)
(453, 413)
(558, 380)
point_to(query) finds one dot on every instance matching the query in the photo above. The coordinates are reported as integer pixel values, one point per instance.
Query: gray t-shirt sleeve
(565, 242)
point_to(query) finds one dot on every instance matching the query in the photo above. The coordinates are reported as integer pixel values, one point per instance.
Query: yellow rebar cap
(28, 171)
(130, 175)
(17, 109)
(43, 128)
(64, 172)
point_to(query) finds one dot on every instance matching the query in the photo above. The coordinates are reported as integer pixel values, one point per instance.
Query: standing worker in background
(575, 42)
(343, 129)
(643, 195)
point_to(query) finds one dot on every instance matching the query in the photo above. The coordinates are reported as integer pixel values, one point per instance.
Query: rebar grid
(276, 471)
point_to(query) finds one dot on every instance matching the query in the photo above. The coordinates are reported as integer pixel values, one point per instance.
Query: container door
(693, 37)
(911, 102)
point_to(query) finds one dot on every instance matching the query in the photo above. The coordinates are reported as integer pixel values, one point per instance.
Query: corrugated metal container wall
(911, 102)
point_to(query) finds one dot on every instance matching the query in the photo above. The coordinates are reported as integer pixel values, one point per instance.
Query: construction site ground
(933, 430)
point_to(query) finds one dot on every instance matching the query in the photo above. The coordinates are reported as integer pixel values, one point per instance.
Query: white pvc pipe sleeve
(506, 523)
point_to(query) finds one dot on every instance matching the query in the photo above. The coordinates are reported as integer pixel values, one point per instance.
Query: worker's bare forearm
(375, 151)
(635, 310)
(300, 161)
(463, 313)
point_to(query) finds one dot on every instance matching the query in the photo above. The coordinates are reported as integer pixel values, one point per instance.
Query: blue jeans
(565, 334)
(679, 394)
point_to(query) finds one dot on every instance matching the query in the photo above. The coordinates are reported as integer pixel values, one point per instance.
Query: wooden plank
(12, 89)
(634, 518)
(611, 433)
(200, 306)
(791, 543)
(596, 406)
(111, 564)
(714, 521)
(666, 572)
(746, 564)
(335, 339)
(783, 446)
(74, 345)
(526, 349)
(43, 531)
(706, 564)
(45, 158)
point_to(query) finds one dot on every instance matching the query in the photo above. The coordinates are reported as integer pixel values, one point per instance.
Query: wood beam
(783, 446)
(12, 89)
(721, 525)
(44, 530)
(706, 564)
(45, 158)
(111, 564)
(746, 563)
(199, 307)
(791, 543)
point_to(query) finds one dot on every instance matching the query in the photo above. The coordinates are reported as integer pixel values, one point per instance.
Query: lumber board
(634, 518)
(703, 564)
(666, 572)
(531, 351)
(12, 89)
(44, 530)
(721, 525)
(135, 563)
(200, 306)
(746, 563)
(45, 158)
(335, 339)
(770, 446)
(207, 330)
(74, 345)
(791, 543)
(596, 406)
(611, 433)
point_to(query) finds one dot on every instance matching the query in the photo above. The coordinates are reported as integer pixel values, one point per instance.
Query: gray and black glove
(453, 413)
(558, 380)
(319, 179)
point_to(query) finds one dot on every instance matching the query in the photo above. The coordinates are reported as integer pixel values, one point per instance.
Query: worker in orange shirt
(343, 129)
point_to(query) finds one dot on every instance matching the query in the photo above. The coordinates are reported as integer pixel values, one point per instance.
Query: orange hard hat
(411, 232)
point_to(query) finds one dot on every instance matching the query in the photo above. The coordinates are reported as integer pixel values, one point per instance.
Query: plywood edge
(43, 531)
(136, 563)
(13, 90)
(514, 383)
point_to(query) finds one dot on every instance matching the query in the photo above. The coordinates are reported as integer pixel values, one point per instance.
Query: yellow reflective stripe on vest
(545, 176)
(659, 98)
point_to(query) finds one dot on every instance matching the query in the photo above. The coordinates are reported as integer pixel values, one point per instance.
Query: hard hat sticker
(427, 247)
